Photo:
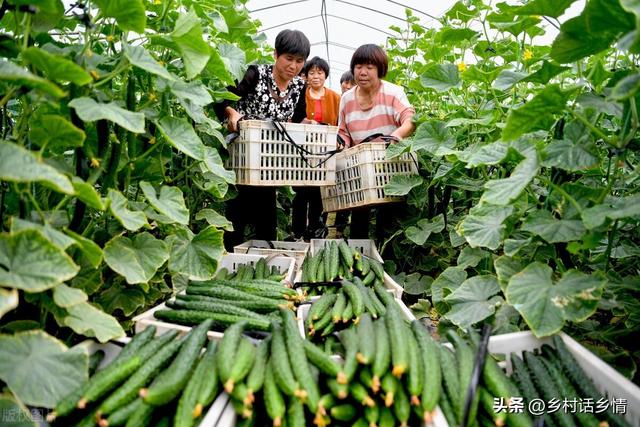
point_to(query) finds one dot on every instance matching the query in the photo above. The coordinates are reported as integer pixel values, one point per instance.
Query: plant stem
(594, 129)
(607, 253)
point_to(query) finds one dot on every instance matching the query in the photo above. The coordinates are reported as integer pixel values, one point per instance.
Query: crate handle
(301, 150)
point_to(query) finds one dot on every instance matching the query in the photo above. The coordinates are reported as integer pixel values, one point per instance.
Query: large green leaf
(181, 135)
(473, 301)
(56, 67)
(420, 232)
(612, 208)
(213, 163)
(193, 92)
(506, 267)
(537, 113)
(29, 261)
(65, 296)
(448, 281)
(55, 133)
(14, 413)
(131, 220)
(471, 257)
(484, 227)
(8, 300)
(490, 154)
(599, 104)
(233, 58)
(20, 165)
(507, 79)
(571, 155)
(504, 191)
(547, 71)
(39, 369)
(88, 194)
(141, 58)
(544, 305)
(89, 111)
(124, 298)
(130, 14)
(454, 36)
(435, 138)
(18, 76)
(543, 224)
(58, 238)
(214, 218)
(552, 8)
(170, 202)
(626, 88)
(138, 259)
(400, 185)
(187, 36)
(440, 77)
(87, 320)
(91, 250)
(196, 256)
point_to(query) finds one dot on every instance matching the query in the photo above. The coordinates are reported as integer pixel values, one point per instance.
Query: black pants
(254, 206)
(361, 218)
(306, 215)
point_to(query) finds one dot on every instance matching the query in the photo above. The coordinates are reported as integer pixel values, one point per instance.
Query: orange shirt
(330, 102)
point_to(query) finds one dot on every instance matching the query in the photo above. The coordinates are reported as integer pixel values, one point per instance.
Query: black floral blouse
(260, 98)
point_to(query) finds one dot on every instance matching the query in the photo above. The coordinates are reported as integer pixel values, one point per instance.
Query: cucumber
(385, 297)
(129, 390)
(372, 414)
(360, 393)
(344, 412)
(357, 259)
(229, 293)
(222, 273)
(375, 301)
(138, 341)
(295, 414)
(141, 417)
(382, 358)
(347, 314)
(387, 419)
(368, 280)
(327, 263)
(320, 326)
(321, 306)
(389, 385)
(195, 317)
(339, 390)
(314, 265)
(346, 256)
(338, 307)
(366, 377)
(368, 304)
(171, 381)
(432, 370)
(452, 381)
(355, 298)
(242, 363)
(520, 374)
(322, 271)
(487, 403)
(349, 340)
(222, 308)
(120, 417)
(273, 400)
(108, 379)
(282, 373)
(334, 259)
(402, 407)
(399, 349)
(298, 359)
(377, 268)
(248, 305)
(366, 340)
(200, 390)
(227, 348)
(366, 266)
(465, 359)
(255, 379)
(321, 360)
(261, 269)
(416, 375)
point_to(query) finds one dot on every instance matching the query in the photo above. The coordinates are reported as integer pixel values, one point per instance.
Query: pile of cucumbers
(337, 261)
(258, 271)
(334, 311)
(159, 381)
(227, 301)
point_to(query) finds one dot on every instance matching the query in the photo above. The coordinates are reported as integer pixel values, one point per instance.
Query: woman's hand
(232, 119)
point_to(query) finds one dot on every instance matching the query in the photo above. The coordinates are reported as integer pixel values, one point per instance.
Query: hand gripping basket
(267, 153)
(361, 174)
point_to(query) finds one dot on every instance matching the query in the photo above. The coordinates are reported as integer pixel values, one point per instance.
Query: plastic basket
(608, 381)
(361, 174)
(231, 263)
(296, 250)
(367, 248)
(261, 156)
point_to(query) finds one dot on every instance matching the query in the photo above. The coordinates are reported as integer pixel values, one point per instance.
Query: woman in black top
(266, 92)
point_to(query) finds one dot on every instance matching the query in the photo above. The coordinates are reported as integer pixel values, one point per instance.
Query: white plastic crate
(361, 174)
(231, 263)
(608, 381)
(261, 156)
(367, 248)
(296, 250)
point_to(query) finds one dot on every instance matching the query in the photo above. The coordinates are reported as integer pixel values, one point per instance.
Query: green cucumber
(142, 416)
(416, 375)
(432, 370)
(344, 412)
(366, 340)
(382, 358)
(242, 362)
(355, 298)
(282, 373)
(338, 307)
(273, 400)
(195, 317)
(120, 417)
(401, 406)
(321, 360)
(399, 348)
(255, 379)
(222, 308)
(346, 256)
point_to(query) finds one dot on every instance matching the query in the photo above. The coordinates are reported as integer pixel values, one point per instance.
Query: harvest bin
(231, 263)
(361, 174)
(296, 250)
(262, 156)
(367, 248)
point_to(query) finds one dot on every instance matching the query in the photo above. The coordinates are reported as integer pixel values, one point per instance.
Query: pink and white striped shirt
(390, 110)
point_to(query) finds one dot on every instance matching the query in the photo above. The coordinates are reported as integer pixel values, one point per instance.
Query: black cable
(478, 366)
(277, 5)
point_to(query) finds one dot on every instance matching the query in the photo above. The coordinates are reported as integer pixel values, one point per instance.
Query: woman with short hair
(374, 106)
(347, 81)
(266, 92)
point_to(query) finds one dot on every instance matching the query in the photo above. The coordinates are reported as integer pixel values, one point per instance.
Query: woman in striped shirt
(372, 107)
